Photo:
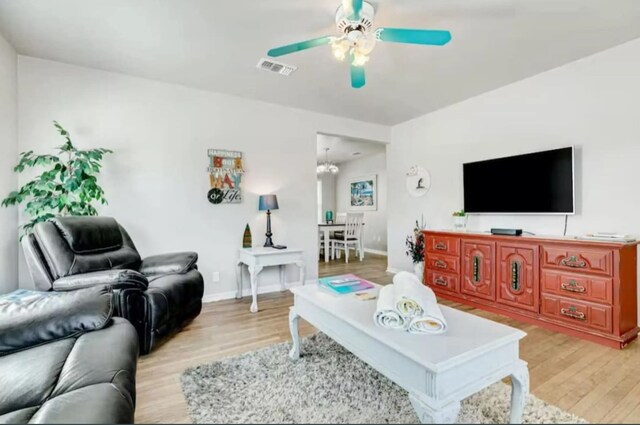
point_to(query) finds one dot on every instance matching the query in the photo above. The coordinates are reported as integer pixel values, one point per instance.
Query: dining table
(326, 228)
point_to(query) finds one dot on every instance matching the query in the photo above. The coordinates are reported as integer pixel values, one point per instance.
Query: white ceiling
(341, 148)
(215, 45)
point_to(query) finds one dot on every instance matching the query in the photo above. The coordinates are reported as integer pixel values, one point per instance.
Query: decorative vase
(246, 237)
(328, 216)
(419, 270)
(460, 223)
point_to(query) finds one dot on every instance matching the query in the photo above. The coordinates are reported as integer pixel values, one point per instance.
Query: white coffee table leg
(519, 392)
(294, 354)
(254, 271)
(300, 265)
(448, 414)
(239, 279)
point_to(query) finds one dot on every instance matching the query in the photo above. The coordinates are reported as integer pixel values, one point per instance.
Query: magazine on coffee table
(345, 284)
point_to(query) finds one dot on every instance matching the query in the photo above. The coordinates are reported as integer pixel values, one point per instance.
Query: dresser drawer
(442, 244)
(583, 260)
(444, 281)
(578, 313)
(587, 288)
(443, 263)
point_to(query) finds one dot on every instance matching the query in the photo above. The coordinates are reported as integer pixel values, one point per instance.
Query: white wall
(156, 182)
(593, 103)
(375, 229)
(8, 159)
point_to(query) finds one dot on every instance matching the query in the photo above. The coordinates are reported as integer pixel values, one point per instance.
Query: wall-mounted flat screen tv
(535, 183)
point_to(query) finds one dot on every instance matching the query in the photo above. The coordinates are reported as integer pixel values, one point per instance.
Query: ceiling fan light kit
(354, 21)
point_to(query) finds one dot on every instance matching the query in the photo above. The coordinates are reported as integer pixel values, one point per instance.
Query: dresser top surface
(535, 238)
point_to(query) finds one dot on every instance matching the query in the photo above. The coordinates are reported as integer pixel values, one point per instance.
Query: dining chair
(341, 218)
(321, 244)
(352, 236)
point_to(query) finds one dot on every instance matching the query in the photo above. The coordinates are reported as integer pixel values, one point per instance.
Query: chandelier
(327, 167)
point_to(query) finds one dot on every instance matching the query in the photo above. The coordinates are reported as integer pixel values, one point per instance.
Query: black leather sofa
(159, 295)
(64, 359)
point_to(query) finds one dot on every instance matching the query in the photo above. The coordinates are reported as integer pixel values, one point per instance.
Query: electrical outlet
(215, 277)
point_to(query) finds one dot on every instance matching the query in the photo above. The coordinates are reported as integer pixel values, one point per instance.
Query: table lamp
(268, 203)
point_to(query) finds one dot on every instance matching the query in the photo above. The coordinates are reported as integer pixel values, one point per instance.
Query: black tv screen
(535, 183)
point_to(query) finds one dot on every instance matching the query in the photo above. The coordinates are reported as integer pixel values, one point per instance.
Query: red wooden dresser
(583, 288)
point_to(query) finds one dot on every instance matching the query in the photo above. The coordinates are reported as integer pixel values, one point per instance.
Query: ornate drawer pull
(573, 262)
(441, 246)
(440, 264)
(440, 281)
(572, 286)
(476, 269)
(573, 313)
(516, 271)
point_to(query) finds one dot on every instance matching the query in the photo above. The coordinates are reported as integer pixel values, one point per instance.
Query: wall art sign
(363, 194)
(418, 181)
(225, 176)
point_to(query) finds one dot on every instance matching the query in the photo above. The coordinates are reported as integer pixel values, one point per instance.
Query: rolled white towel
(386, 315)
(428, 324)
(418, 305)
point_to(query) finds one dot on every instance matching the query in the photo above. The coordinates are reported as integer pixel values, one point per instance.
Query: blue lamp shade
(268, 202)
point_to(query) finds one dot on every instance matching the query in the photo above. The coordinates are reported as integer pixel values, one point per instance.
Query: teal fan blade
(356, 6)
(296, 47)
(357, 76)
(403, 35)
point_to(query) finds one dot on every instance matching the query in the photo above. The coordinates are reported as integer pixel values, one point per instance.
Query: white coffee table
(438, 371)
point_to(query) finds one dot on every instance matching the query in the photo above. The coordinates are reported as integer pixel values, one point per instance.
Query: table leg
(282, 270)
(519, 392)
(326, 245)
(448, 414)
(254, 271)
(294, 354)
(300, 265)
(239, 279)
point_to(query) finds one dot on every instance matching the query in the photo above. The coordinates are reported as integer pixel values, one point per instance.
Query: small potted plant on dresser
(415, 249)
(460, 221)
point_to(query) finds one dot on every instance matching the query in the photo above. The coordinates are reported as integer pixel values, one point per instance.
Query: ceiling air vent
(274, 66)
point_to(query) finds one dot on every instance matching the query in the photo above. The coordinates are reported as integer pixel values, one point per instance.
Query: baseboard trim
(393, 270)
(228, 295)
(375, 251)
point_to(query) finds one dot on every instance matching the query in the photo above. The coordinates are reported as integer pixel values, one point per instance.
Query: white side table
(257, 258)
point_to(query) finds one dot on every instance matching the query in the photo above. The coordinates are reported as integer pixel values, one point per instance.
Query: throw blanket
(386, 315)
(418, 305)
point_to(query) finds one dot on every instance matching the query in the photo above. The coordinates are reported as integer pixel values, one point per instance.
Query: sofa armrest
(39, 318)
(116, 279)
(177, 262)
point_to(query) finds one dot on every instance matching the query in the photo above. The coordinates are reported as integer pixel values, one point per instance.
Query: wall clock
(418, 181)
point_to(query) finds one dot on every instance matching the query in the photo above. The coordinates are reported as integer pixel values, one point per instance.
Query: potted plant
(67, 186)
(459, 220)
(415, 249)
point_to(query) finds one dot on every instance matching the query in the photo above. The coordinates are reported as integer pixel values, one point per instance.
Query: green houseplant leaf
(67, 185)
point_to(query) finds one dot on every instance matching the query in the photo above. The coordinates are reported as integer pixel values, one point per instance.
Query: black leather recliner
(63, 359)
(159, 295)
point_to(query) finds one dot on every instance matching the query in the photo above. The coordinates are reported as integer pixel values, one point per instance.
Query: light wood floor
(597, 383)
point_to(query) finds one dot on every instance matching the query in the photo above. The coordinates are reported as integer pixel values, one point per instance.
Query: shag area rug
(327, 384)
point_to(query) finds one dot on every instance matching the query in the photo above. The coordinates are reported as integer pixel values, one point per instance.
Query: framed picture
(363, 193)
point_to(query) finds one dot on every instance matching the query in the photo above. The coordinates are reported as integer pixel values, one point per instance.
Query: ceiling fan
(354, 20)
